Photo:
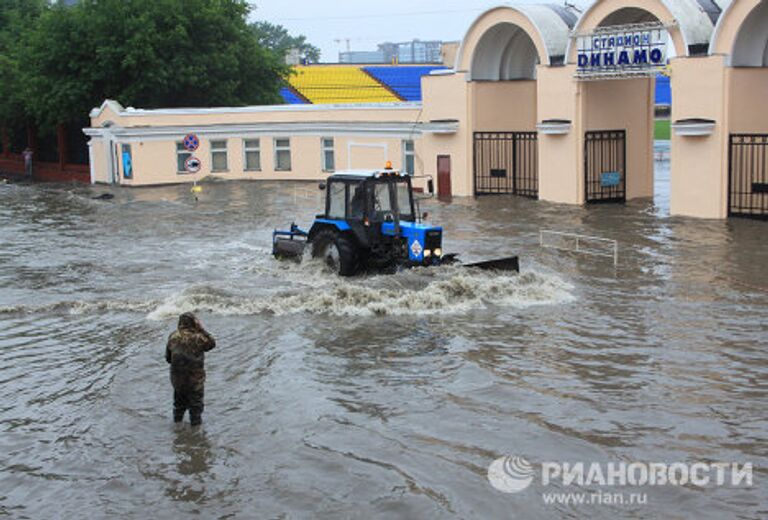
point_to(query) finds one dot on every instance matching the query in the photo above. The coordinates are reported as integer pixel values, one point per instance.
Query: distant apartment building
(415, 51)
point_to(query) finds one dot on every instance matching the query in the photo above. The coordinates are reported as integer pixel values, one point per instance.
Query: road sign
(610, 179)
(193, 164)
(191, 142)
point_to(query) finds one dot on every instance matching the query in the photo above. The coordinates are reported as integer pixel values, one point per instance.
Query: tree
(145, 53)
(16, 18)
(277, 39)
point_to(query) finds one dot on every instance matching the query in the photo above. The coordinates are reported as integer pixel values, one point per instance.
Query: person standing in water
(27, 155)
(185, 352)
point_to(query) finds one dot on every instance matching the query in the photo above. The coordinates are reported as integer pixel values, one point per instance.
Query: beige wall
(625, 105)
(154, 161)
(699, 164)
(448, 53)
(446, 97)
(748, 88)
(560, 167)
(504, 106)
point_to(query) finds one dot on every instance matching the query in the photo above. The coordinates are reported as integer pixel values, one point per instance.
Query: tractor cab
(372, 221)
(376, 209)
(369, 197)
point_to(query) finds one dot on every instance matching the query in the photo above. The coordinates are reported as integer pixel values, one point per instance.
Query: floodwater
(382, 396)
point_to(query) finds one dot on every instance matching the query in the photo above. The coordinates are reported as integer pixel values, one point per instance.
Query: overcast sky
(367, 23)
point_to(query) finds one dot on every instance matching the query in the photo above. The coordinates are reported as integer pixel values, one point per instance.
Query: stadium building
(542, 101)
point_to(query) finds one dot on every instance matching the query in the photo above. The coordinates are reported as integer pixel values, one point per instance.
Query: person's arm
(168, 351)
(208, 341)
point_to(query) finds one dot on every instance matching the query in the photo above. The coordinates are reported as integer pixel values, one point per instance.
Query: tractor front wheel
(338, 251)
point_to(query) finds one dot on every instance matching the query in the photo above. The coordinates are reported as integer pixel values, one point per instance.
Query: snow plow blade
(289, 244)
(510, 263)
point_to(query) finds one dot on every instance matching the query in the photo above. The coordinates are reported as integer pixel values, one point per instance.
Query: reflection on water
(194, 458)
(378, 396)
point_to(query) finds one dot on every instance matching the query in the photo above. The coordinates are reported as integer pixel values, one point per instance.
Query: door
(444, 176)
(506, 162)
(748, 176)
(605, 153)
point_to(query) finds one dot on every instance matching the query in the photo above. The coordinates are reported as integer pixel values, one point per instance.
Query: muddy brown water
(383, 396)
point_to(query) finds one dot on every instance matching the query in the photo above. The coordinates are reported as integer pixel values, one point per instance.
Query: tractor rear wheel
(338, 251)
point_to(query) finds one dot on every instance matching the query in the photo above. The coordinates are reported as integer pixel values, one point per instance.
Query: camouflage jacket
(186, 354)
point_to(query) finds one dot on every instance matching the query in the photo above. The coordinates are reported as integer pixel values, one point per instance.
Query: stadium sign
(622, 51)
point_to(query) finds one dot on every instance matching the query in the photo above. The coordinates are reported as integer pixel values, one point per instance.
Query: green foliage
(277, 39)
(17, 17)
(144, 53)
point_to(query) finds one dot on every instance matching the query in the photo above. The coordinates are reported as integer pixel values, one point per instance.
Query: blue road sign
(610, 179)
(191, 142)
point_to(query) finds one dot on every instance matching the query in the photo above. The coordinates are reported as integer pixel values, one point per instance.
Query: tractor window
(404, 201)
(336, 201)
(382, 204)
(356, 200)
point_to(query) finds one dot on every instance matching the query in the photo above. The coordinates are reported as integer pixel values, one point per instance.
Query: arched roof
(741, 33)
(547, 26)
(690, 22)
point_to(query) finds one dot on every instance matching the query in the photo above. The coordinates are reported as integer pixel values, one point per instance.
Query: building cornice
(139, 112)
(402, 129)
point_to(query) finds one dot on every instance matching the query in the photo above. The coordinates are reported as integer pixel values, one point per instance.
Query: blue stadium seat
(663, 91)
(405, 81)
(291, 98)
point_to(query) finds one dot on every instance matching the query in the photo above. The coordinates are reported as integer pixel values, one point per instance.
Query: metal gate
(507, 162)
(605, 159)
(748, 176)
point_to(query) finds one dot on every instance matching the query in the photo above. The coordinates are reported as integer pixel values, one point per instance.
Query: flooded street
(379, 396)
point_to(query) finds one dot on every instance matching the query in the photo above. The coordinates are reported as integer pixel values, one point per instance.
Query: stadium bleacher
(338, 84)
(321, 84)
(403, 81)
(663, 91)
(290, 97)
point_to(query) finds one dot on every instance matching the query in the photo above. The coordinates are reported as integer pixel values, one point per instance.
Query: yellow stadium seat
(339, 84)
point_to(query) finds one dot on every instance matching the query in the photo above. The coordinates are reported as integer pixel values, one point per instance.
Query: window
(329, 164)
(282, 155)
(219, 156)
(382, 202)
(403, 195)
(409, 158)
(356, 200)
(127, 161)
(182, 154)
(337, 200)
(252, 151)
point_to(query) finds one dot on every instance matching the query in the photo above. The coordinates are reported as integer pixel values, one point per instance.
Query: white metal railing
(583, 244)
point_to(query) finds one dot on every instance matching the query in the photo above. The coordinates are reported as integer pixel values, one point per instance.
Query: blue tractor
(371, 222)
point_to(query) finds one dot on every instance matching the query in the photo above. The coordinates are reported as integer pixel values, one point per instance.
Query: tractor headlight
(438, 252)
(427, 253)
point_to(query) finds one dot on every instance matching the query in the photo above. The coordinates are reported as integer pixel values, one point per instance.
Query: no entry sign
(193, 164)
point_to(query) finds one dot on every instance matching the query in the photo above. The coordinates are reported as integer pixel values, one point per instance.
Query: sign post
(622, 51)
